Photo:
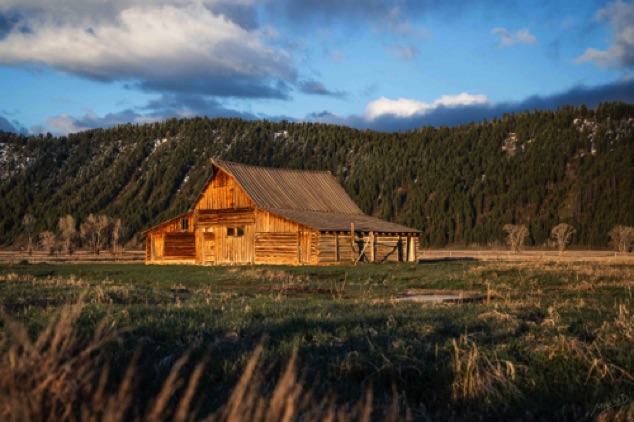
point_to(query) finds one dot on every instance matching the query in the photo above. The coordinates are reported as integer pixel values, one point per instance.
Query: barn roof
(271, 188)
(312, 198)
(341, 222)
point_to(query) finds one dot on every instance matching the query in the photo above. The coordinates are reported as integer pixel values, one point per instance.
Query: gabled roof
(271, 188)
(312, 198)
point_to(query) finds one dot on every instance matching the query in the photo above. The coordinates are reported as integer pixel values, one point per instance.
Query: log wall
(276, 248)
(179, 246)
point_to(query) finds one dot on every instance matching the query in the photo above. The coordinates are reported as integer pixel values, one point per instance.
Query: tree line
(458, 185)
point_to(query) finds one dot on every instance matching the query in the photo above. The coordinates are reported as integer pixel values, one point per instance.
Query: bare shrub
(515, 236)
(94, 231)
(28, 222)
(562, 234)
(48, 241)
(68, 232)
(621, 238)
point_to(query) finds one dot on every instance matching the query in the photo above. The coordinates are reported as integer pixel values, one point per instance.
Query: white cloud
(154, 43)
(404, 107)
(620, 54)
(522, 36)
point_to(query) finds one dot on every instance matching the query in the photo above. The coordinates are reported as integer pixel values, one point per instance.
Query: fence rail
(534, 255)
(77, 256)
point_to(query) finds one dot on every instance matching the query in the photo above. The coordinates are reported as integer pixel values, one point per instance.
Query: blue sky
(71, 65)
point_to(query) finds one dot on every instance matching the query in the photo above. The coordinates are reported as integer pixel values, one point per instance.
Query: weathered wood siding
(341, 247)
(157, 246)
(222, 193)
(271, 223)
(179, 246)
(230, 217)
(234, 249)
(276, 248)
(148, 247)
(390, 248)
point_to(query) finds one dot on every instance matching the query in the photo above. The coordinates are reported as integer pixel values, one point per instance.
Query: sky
(73, 65)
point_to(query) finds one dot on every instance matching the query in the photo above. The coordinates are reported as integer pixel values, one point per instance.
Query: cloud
(387, 15)
(161, 108)
(12, 126)
(404, 107)
(210, 47)
(314, 87)
(403, 52)
(405, 114)
(620, 54)
(522, 36)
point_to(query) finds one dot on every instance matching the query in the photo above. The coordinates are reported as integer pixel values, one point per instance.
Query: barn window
(184, 224)
(235, 231)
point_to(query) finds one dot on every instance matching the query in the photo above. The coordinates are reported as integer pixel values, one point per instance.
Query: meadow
(548, 341)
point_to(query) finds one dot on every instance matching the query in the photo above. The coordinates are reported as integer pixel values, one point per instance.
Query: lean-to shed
(247, 214)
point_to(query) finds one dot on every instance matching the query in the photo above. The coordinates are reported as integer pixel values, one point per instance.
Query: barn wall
(281, 241)
(222, 193)
(271, 223)
(234, 249)
(179, 246)
(340, 247)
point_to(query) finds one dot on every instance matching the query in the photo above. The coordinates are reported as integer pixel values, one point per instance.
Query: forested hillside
(459, 185)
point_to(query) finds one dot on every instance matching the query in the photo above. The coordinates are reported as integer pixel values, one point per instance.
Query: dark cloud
(238, 86)
(452, 116)
(351, 10)
(8, 21)
(243, 15)
(12, 126)
(164, 107)
(171, 105)
(314, 87)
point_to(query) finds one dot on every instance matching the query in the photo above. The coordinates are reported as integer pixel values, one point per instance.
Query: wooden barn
(258, 215)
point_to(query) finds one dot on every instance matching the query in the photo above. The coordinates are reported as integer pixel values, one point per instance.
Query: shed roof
(327, 222)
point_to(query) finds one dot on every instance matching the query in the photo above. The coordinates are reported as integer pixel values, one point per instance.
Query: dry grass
(478, 377)
(63, 375)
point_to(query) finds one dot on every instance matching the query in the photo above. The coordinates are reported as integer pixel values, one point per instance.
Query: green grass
(553, 342)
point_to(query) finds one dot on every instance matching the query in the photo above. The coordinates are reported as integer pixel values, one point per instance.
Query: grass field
(550, 341)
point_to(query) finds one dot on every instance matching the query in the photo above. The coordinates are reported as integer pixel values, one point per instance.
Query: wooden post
(352, 240)
(336, 247)
(371, 240)
(299, 245)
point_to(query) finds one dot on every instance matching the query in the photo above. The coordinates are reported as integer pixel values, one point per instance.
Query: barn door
(157, 246)
(304, 240)
(209, 247)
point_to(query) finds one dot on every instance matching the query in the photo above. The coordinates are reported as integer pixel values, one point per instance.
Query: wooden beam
(371, 240)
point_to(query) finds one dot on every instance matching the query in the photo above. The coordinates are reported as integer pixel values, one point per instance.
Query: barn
(258, 215)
